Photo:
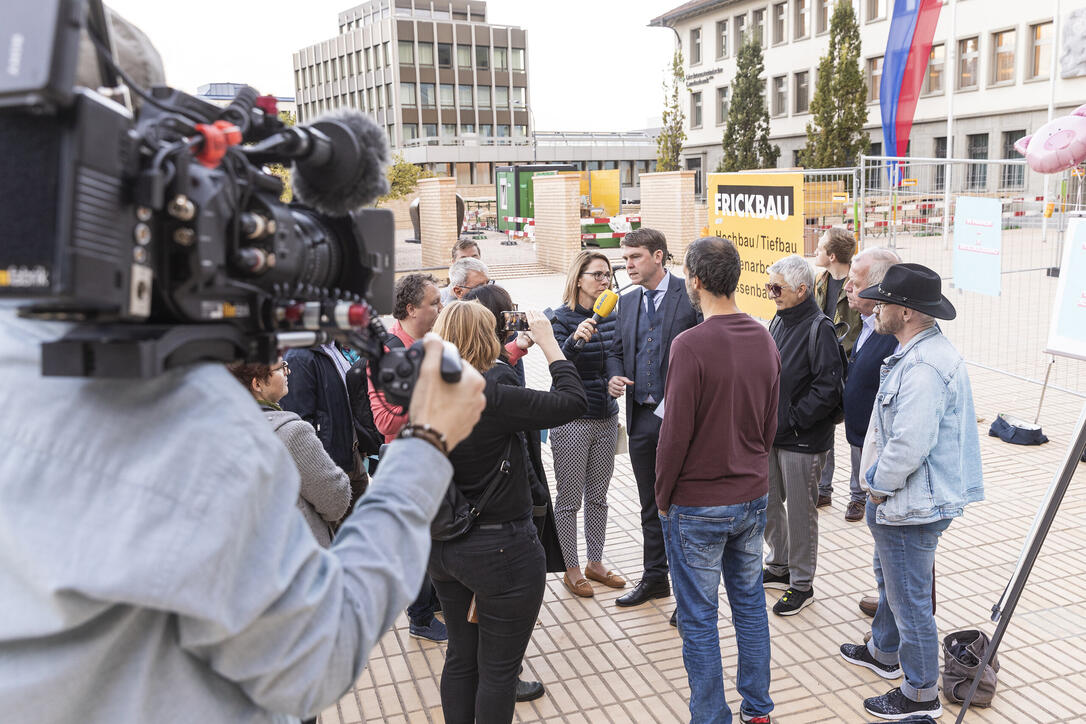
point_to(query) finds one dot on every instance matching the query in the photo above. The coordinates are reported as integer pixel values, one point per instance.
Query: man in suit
(649, 319)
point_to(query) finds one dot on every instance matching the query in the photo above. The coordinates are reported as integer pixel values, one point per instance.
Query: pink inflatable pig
(1057, 145)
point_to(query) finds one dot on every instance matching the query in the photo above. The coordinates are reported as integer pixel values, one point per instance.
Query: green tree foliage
(403, 178)
(835, 135)
(278, 169)
(669, 144)
(746, 134)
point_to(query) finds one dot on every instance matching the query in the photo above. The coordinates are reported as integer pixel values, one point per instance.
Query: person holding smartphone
(584, 449)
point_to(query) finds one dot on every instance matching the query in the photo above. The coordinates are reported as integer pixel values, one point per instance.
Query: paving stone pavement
(605, 664)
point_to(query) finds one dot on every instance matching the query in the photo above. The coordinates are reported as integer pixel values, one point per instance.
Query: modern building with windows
(451, 91)
(997, 68)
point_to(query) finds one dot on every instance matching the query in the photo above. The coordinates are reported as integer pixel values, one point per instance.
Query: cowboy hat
(913, 286)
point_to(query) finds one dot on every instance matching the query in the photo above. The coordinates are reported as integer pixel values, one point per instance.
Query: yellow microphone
(605, 304)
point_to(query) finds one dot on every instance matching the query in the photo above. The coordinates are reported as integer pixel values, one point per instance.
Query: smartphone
(515, 321)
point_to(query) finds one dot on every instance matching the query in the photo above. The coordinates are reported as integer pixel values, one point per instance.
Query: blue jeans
(903, 630)
(702, 544)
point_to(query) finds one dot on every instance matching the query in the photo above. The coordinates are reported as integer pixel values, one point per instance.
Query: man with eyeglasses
(464, 275)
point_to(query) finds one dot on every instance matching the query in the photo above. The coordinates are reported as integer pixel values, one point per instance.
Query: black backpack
(369, 437)
(812, 345)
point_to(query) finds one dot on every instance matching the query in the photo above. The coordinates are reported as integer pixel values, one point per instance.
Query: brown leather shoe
(823, 501)
(609, 579)
(869, 604)
(855, 511)
(580, 587)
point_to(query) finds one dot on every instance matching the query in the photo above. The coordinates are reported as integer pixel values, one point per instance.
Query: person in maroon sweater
(712, 481)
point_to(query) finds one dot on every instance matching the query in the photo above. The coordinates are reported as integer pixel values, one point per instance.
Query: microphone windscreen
(354, 176)
(605, 303)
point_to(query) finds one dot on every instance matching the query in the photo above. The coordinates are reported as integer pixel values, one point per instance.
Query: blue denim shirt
(925, 433)
(154, 566)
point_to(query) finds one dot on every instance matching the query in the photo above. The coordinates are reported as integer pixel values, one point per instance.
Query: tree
(403, 178)
(278, 169)
(746, 135)
(669, 144)
(835, 135)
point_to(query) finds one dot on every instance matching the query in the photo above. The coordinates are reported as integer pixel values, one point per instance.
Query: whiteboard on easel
(1067, 333)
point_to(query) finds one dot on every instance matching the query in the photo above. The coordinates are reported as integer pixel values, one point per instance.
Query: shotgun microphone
(605, 304)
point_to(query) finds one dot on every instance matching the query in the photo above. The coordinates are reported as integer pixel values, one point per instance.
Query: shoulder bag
(457, 514)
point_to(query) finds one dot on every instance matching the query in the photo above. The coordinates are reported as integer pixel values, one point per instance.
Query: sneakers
(895, 705)
(855, 511)
(748, 719)
(771, 580)
(434, 631)
(823, 501)
(859, 654)
(793, 601)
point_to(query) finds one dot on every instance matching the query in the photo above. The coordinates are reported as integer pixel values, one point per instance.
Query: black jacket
(510, 409)
(319, 396)
(591, 361)
(810, 388)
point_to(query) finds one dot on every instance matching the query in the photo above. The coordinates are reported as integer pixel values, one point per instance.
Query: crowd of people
(731, 429)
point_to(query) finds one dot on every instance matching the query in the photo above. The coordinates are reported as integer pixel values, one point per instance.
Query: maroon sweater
(720, 403)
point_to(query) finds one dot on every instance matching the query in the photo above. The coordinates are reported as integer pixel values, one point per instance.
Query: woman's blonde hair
(580, 263)
(470, 326)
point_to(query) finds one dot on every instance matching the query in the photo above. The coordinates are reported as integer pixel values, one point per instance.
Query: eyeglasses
(481, 284)
(599, 276)
(774, 290)
(281, 366)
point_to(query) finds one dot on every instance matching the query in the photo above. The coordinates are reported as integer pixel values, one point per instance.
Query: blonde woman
(500, 562)
(584, 449)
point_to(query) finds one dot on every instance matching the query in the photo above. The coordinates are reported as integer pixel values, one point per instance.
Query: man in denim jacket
(928, 469)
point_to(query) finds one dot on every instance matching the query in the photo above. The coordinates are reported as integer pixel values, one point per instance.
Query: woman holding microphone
(584, 449)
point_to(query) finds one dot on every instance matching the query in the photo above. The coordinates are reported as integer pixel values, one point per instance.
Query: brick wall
(399, 207)
(557, 220)
(437, 219)
(667, 205)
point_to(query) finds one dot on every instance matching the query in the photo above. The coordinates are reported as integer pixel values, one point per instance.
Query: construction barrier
(612, 235)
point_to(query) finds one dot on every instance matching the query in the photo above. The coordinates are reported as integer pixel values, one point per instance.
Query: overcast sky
(593, 64)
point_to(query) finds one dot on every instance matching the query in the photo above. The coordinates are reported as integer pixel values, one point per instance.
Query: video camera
(161, 233)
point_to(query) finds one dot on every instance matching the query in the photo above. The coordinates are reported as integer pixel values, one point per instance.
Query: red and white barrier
(591, 237)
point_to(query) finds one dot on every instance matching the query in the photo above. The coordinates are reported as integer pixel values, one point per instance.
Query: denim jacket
(925, 433)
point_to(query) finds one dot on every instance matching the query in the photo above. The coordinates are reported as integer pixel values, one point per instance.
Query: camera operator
(155, 566)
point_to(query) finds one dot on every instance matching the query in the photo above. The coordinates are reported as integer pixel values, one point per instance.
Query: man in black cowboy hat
(927, 470)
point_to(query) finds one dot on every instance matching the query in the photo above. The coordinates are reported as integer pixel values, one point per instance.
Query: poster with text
(978, 244)
(1067, 335)
(762, 214)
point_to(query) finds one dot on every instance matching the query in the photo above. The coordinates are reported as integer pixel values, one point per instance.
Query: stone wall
(437, 219)
(557, 220)
(667, 205)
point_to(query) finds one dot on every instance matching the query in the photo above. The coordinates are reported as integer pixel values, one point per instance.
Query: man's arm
(388, 419)
(824, 392)
(769, 424)
(677, 430)
(920, 403)
(615, 365)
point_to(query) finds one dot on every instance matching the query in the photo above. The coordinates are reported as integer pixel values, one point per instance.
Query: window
(444, 55)
(1040, 57)
(797, 158)
(876, 10)
(426, 95)
(486, 130)
(448, 99)
(876, 172)
(976, 175)
(407, 94)
(410, 131)
(695, 110)
(1014, 176)
(722, 106)
(369, 58)
(503, 130)
(695, 46)
(407, 52)
(780, 95)
(874, 78)
(482, 57)
(802, 82)
(429, 130)
(369, 100)
(465, 95)
(484, 96)
(721, 39)
(940, 170)
(518, 95)
(780, 16)
(467, 128)
(501, 59)
(822, 16)
(968, 50)
(757, 25)
(800, 19)
(386, 47)
(448, 130)
(520, 131)
(1003, 57)
(501, 96)
(740, 30)
(426, 53)
(463, 56)
(388, 96)
(933, 83)
(518, 58)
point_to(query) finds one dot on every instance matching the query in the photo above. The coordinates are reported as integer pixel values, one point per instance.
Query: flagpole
(1051, 108)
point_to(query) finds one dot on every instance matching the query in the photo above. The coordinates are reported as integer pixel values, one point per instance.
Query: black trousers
(503, 566)
(644, 434)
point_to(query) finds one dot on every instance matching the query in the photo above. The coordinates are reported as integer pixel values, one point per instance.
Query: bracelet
(427, 433)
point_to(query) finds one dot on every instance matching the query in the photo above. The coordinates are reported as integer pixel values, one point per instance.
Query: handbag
(622, 441)
(962, 653)
(456, 514)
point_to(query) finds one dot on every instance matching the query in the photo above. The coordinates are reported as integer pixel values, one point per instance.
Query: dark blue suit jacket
(677, 315)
